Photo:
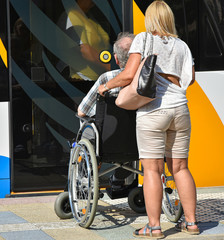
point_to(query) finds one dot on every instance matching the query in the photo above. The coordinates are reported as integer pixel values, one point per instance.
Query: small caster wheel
(62, 206)
(136, 200)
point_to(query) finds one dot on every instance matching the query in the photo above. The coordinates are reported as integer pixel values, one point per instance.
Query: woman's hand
(102, 90)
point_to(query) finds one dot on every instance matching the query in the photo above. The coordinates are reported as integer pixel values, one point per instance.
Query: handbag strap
(151, 44)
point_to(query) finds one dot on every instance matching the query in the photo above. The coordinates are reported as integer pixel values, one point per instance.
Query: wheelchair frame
(83, 181)
(87, 120)
(88, 201)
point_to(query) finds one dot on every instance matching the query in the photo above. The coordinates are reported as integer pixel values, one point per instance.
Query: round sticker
(105, 56)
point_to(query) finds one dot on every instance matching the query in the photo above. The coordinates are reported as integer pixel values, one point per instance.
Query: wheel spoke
(171, 204)
(83, 183)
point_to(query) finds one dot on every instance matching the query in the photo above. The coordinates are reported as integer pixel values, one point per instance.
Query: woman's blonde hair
(159, 19)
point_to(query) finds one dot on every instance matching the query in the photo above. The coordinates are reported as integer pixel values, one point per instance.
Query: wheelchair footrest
(115, 193)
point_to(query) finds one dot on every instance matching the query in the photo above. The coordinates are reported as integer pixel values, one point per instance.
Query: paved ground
(33, 218)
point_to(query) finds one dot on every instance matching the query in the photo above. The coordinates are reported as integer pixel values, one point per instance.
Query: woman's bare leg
(185, 186)
(153, 191)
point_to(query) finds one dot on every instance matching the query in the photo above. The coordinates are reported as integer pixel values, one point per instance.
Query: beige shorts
(165, 132)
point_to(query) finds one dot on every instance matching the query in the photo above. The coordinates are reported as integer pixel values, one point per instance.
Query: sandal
(149, 235)
(183, 227)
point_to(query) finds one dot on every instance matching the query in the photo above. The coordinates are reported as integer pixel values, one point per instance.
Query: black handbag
(142, 89)
(146, 81)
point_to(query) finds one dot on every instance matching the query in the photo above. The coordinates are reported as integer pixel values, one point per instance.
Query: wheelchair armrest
(86, 118)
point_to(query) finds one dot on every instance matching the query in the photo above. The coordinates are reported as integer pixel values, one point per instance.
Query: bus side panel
(4, 150)
(206, 147)
(4, 104)
(138, 26)
(138, 20)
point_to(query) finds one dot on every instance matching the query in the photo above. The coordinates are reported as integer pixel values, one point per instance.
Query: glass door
(55, 56)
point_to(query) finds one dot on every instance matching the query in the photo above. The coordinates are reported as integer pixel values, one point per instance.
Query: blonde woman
(163, 125)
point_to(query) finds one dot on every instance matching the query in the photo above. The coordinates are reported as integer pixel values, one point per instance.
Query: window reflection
(55, 60)
(212, 38)
(90, 38)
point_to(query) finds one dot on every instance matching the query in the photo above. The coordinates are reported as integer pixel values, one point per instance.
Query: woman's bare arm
(126, 76)
(193, 76)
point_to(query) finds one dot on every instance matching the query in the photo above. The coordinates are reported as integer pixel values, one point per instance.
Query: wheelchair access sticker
(105, 56)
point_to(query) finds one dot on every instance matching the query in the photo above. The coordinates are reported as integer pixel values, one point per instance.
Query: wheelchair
(109, 139)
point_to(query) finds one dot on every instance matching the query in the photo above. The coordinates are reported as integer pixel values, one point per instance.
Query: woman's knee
(179, 165)
(152, 165)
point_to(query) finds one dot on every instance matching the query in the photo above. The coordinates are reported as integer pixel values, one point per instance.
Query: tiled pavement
(33, 218)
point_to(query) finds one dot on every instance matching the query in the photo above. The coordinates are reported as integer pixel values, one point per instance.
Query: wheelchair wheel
(83, 183)
(171, 204)
(136, 200)
(62, 206)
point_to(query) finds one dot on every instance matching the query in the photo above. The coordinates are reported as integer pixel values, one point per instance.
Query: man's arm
(86, 107)
(80, 113)
(88, 104)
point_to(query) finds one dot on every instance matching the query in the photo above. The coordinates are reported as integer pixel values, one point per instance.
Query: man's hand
(80, 113)
(102, 90)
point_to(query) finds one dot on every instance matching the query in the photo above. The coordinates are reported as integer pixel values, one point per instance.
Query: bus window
(211, 35)
(185, 13)
(55, 54)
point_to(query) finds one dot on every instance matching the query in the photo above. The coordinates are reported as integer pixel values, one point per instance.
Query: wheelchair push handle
(101, 98)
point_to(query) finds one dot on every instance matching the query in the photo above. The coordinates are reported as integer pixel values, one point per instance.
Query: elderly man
(121, 48)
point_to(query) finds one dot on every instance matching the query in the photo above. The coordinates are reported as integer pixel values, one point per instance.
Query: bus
(200, 24)
(51, 52)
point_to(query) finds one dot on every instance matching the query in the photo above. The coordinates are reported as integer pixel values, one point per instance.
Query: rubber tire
(166, 195)
(92, 213)
(173, 218)
(62, 206)
(136, 200)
